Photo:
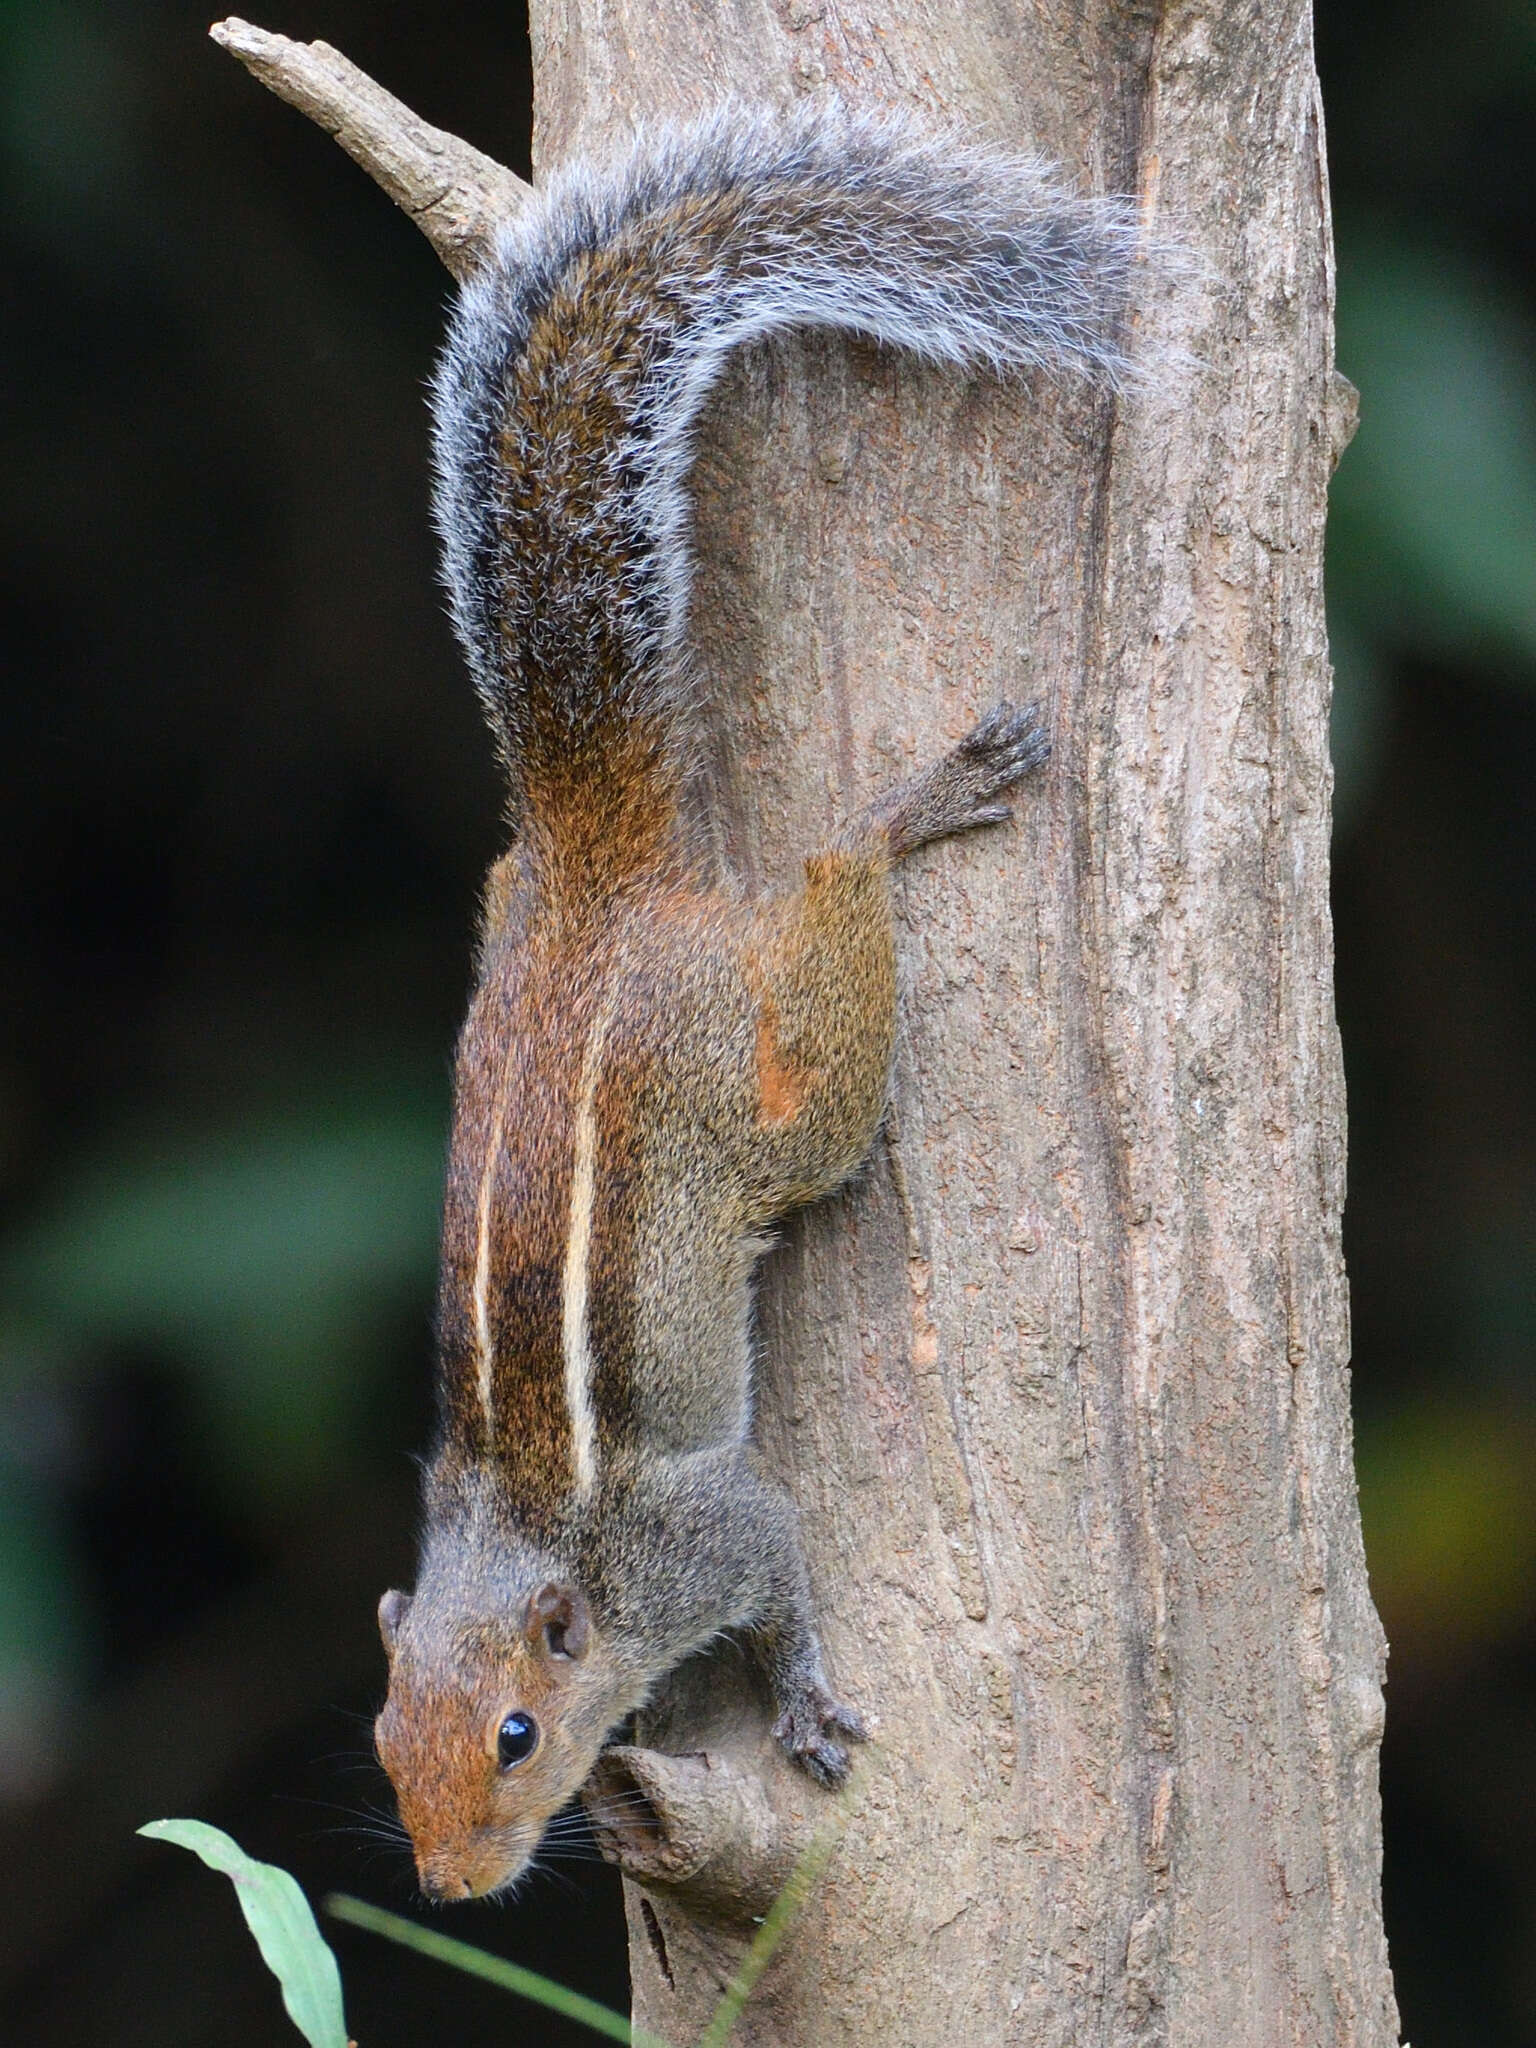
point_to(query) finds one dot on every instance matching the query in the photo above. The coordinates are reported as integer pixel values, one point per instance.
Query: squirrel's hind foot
(814, 1730)
(964, 788)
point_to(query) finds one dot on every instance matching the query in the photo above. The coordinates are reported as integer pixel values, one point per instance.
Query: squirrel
(653, 1068)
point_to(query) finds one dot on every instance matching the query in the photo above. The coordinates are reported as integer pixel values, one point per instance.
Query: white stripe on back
(483, 1340)
(578, 1249)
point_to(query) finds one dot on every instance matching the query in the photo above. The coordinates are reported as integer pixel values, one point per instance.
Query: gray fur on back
(866, 224)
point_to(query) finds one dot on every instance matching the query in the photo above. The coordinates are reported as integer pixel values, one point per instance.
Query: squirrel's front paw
(809, 1732)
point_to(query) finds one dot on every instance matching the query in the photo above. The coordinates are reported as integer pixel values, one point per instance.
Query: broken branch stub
(703, 1829)
(457, 196)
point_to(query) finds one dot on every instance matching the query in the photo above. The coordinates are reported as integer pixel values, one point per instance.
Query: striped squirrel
(654, 1068)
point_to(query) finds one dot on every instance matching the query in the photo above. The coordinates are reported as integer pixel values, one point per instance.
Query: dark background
(249, 804)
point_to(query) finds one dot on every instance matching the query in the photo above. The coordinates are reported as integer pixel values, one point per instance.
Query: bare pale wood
(454, 194)
(1061, 1388)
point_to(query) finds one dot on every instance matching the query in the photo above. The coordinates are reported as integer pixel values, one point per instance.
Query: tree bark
(1060, 1387)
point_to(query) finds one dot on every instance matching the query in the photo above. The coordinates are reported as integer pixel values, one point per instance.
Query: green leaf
(476, 1962)
(278, 1914)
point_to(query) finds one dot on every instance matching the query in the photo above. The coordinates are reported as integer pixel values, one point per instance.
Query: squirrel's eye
(516, 1738)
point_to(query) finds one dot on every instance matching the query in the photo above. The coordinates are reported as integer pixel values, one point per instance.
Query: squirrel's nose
(441, 1886)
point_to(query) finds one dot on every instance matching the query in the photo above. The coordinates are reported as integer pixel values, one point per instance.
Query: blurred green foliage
(263, 1258)
(1432, 616)
(268, 1261)
(1432, 562)
(1432, 526)
(1446, 1487)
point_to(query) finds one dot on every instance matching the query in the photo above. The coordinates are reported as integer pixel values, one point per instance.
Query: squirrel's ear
(391, 1613)
(558, 1621)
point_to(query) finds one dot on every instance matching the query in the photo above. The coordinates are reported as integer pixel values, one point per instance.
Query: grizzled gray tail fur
(577, 365)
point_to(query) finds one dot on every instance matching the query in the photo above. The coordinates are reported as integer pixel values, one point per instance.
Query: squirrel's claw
(808, 1732)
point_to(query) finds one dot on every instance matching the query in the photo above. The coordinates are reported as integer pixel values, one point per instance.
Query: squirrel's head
(489, 1728)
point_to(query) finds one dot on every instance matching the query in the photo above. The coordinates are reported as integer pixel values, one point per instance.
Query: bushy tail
(577, 366)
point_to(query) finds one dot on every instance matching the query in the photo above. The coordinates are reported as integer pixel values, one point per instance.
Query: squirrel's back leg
(821, 968)
(962, 789)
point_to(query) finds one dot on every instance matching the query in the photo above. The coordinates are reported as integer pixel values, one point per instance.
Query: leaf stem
(477, 1962)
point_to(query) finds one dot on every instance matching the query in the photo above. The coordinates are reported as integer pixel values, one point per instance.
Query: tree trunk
(1060, 1387)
